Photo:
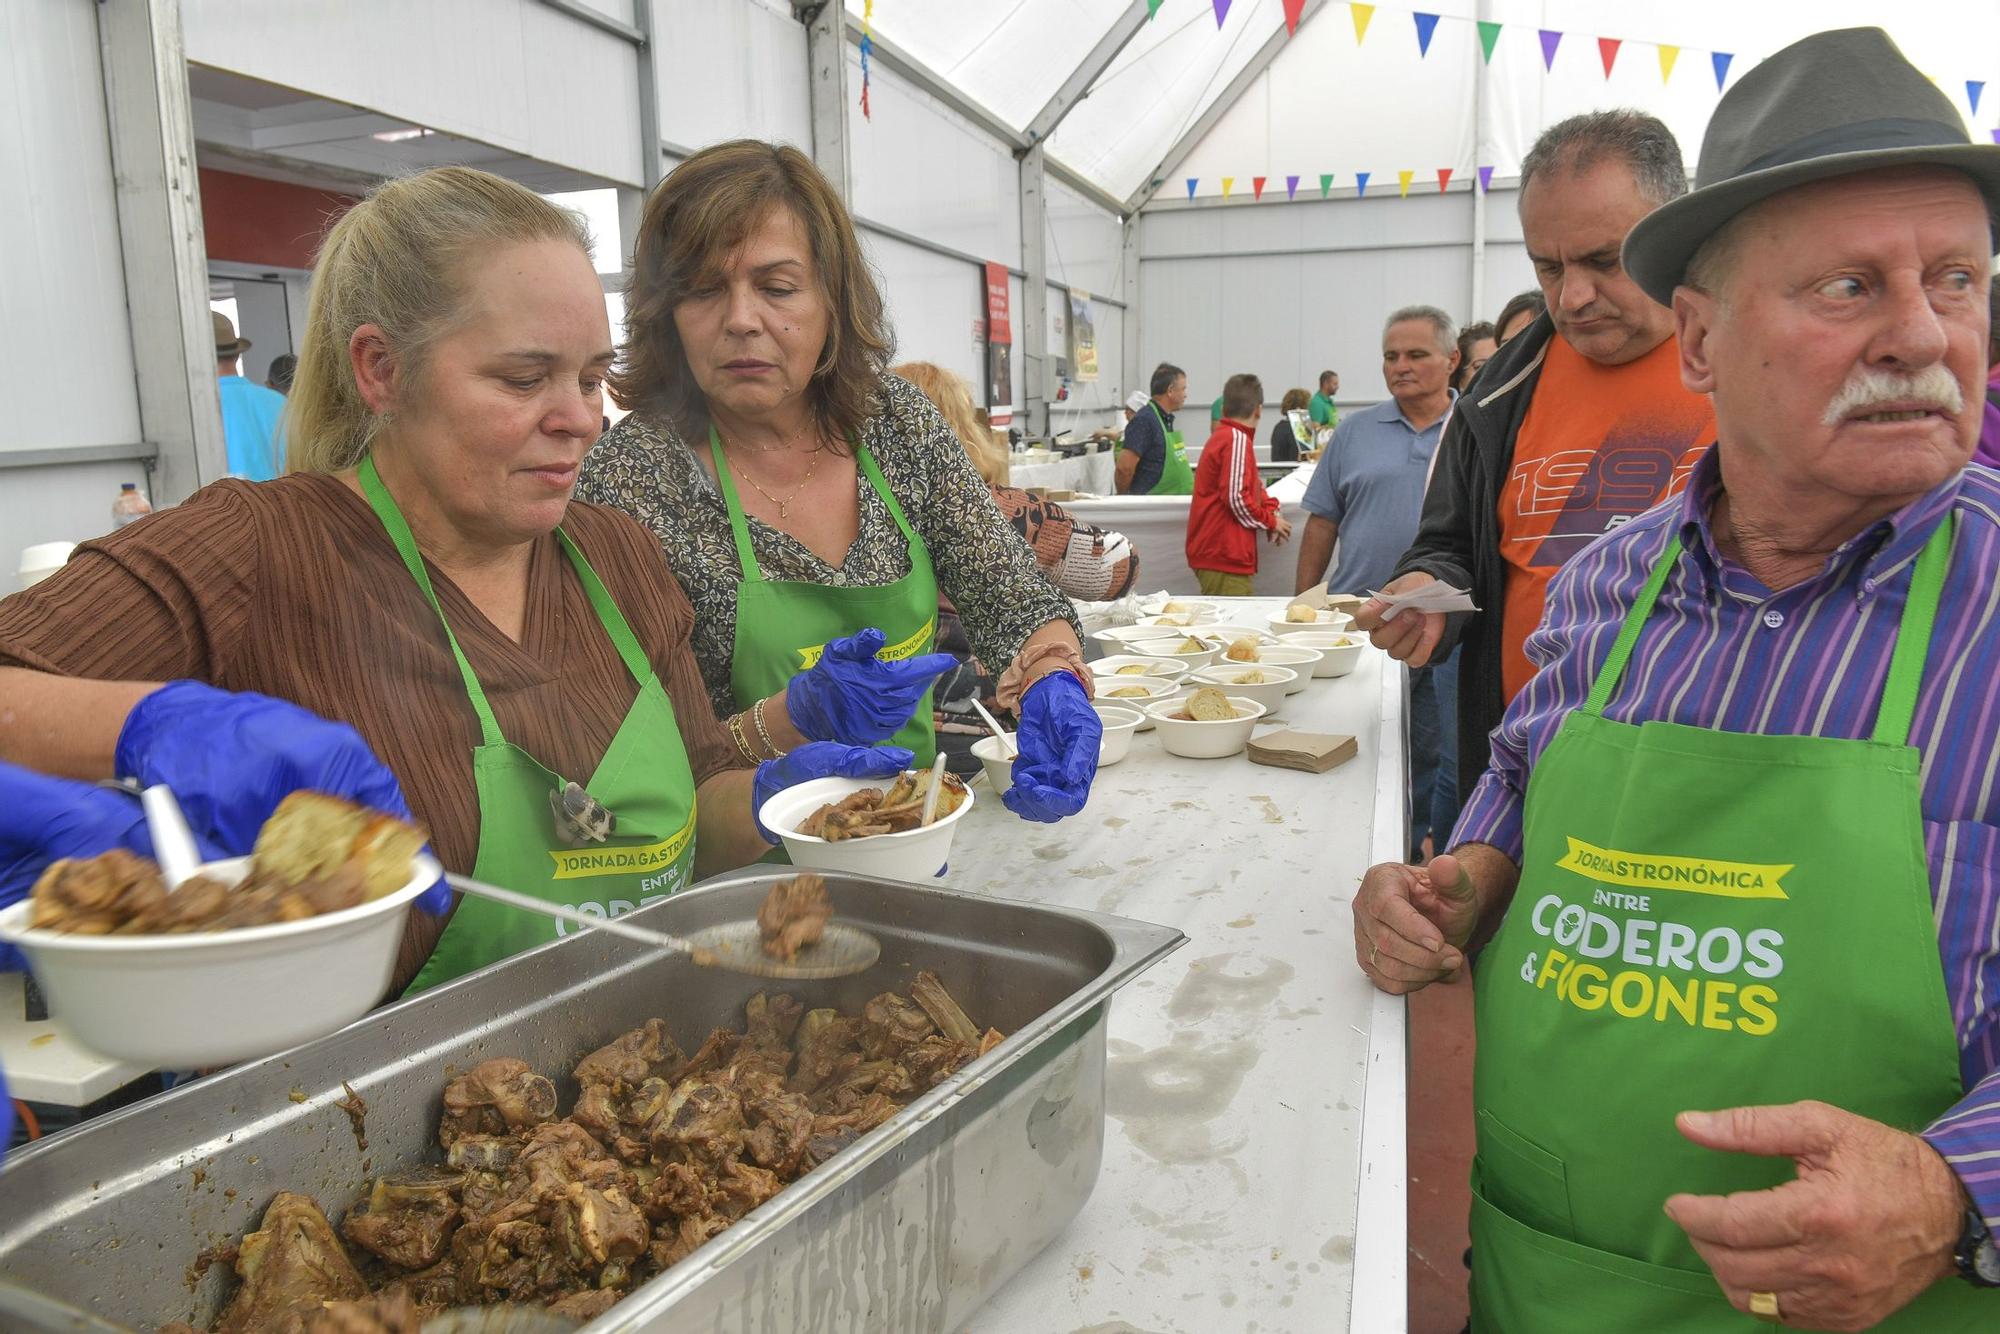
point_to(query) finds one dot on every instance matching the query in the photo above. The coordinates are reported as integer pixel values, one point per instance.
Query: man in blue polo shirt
(1368, 491)
(1152, 458)
(250, 413)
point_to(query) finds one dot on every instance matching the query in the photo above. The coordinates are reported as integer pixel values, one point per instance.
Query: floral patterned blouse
(644, 467)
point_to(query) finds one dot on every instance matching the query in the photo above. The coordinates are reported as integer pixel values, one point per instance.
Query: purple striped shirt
(1720, 650)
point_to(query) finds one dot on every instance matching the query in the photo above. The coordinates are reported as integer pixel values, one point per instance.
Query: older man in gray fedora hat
(1735, 863)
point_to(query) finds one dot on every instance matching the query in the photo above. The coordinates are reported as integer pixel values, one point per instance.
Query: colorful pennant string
(1325, 184)
(1192, 182)
(1489, 33)
(1973, 88)
(1668, 55)
(1228, 184)
(1221, 11)
(1403, 179)
(1292, 11)
(1257, 187)
(1152, 8)
(1361, 14)
(1361, 177)
(1291, 187)
(1485, 179)
(1721, 59)
(1607, 50)
(867, 51)
(1444, 178)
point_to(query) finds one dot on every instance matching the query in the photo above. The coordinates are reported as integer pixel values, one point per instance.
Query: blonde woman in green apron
(418, 611)
(814, 506)
(1736, 860)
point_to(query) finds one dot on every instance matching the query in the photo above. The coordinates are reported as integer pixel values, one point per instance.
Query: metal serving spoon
(738, 947)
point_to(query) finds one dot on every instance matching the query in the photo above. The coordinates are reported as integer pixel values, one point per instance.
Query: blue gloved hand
(853, 696)
(1058, 738)
(6, 1117)
(231, 757)
(821, 759)
(45, 819)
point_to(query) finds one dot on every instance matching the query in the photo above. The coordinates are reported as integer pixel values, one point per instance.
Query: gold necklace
(784, 506)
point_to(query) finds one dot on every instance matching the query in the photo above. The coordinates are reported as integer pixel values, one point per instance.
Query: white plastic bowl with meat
(911, 854)
(201, 998)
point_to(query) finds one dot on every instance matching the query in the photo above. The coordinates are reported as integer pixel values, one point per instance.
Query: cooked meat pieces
(407, 1220)
(794, 915)
(643, 1053)
(96, 896)
(872, 811)
(660, 1154)
(494, 1098)
(293, 1261)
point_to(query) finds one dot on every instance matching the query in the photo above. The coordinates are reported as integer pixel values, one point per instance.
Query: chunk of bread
(1299, 614)
(1209, 705)
(1241, 650)
(1131, 669)
(311, 835)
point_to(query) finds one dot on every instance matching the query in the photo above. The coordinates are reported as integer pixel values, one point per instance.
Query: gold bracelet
(736, 735)
(757, 717)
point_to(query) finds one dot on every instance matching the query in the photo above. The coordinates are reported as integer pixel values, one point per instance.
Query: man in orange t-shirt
(1577, 424)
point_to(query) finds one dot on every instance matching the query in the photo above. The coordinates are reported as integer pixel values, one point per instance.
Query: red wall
(254, 221)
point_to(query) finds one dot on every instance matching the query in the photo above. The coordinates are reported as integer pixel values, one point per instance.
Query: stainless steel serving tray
(912, 1228)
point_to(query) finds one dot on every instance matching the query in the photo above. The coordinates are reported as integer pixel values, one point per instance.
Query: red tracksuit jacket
(1230, 505)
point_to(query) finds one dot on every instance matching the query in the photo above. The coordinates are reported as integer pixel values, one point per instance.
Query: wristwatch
(1977, 1253)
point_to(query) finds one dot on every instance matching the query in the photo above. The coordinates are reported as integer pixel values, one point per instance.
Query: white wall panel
(63, 333)
(1085, 243)
(513, 73)
(731, 69)
(922, 169)
(935, 302)
(70, 503)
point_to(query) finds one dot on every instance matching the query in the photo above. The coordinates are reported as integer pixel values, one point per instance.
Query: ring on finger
(1764, 1305)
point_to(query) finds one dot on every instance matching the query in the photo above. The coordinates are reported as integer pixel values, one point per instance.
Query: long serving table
(1253, 1174)
(1095, 472)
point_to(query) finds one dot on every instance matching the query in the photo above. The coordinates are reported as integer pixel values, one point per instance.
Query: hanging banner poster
(999, 347)
(1082, 338)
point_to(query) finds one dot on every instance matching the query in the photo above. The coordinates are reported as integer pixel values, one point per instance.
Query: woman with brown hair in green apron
(813, 506)
(519, 663)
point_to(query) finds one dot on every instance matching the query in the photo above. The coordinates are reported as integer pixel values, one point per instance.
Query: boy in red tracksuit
(1230, 505)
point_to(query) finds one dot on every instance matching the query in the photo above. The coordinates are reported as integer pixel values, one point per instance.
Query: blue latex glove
(1058, 738)
(821, 759)
(231, 757)
(853, 696)
(6, 1117)
(44, 819)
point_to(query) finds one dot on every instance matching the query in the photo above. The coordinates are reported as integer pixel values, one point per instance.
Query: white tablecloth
(1235, 1181)
(1094, 473)
(1157, 527)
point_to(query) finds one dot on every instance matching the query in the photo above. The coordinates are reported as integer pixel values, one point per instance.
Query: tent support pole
(1479, 89)
(826, 66)
(1033, 335)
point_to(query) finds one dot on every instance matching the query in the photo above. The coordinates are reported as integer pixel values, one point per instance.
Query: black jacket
(1458, 537)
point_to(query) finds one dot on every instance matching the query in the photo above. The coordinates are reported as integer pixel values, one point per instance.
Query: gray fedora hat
(1832, 104)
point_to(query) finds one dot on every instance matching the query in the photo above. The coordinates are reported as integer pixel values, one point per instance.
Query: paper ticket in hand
(1434, 596)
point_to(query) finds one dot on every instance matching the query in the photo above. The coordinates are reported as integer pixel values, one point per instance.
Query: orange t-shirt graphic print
(1600, 445)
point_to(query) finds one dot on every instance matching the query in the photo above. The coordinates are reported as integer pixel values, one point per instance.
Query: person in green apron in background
(1152, 460)
(813, 505)
(417, 610)
(1735, 866)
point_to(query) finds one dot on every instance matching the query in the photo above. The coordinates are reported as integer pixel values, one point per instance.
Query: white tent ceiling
(1332, 103)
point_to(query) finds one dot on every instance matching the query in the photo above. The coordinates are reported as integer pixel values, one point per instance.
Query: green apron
(782, 625)
(1705, 919)
(643, 781)
(1176, 476)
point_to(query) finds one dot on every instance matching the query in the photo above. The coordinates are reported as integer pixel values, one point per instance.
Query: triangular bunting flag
(1668, 55)
(1292, 8)
(1722, 59)
(1361, 13)
(1607, 49)
(1257, 186)
(1485, 179)
(1403, 179)
(1325, 184)
(1550, 41)
(1426, 25)
(1191, 184)
(1221, 11)
(1152, 8)
(1489, 33)
(1228, 184)
(1444, 178)
(1996, 136)
(1973, 88)
(1291, 187)
(1361, 177)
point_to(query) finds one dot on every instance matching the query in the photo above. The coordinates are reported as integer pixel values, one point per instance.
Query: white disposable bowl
(1190, 604)
(998, 761)
(41, 560)
(1339, 654)
(1270, 692)
(1303, 660)
(1326, 621)
(1119, 725)
(1179, 620)
(178, 1002)
(1120, 638)
(1205, 741)
(913, 854)
(1156, 687)
(1165, 669)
